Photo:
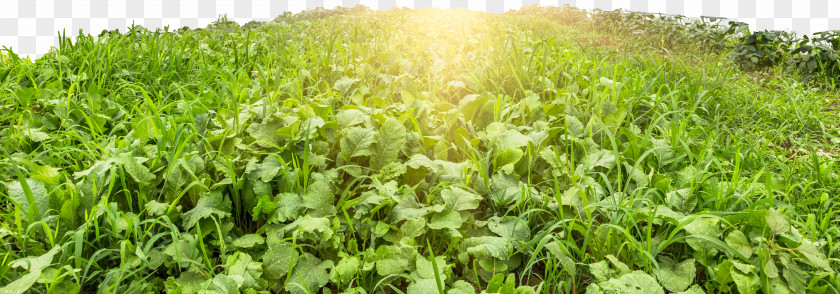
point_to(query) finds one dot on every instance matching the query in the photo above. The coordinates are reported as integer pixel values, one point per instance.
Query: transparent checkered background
(30, 27)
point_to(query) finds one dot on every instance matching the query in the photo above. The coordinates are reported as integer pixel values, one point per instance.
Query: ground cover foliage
(545, 150)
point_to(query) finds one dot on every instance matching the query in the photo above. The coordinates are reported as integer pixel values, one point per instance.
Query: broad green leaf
(567, 263)
(389, 141)
(265, 134)
(738, 241)
(688, 176)
(574, 126)
(525, 290)
(265, 204)
(747, 283)
(663, 151)
(469, 104)
(288, 207)
(268, 169)
(601, 158)
(319, 199)
(702, 227)
(754, 218)
(143, 128)
(636, 282)
(457, 84)
(65, 284)
(425, 267)
(309, 127)
(506, 159)
(212, 204)
(510, 284)
(510, 227)
(184, 251)
(221, 284)
(311, 270)
(423, 286)
(795, 277)
(419, 160)
(743, 267)
(502, 138)
(190, 282)
(344, 84)
(36, 135)
(47, 174)
(318, 228)
(39, 194)
(413, 228)
(350, 117)
(447, 171)
(532, 100)
(777, 286)
(722, 272)
(289, 128)
(694, 289)
(574, 197)
(558, 162)
(511, 139)
(608, 108)
(243, 270)
(815, 256)
(486, 247)
(768, 267)
(622, 267)
(345, 270)
(664, 212)
(637, 175)
(458, 199)
(357, 142)
(776, 222)
(390, 260)
(135, 168)
(391, 171)
(675, 277)
(461, 287)
(496, 282)
(409, 209)
(248, 241)
(682, 200)
(32, 264)
(447, 219)
(154, 208)
(604, 81)
(278, 260)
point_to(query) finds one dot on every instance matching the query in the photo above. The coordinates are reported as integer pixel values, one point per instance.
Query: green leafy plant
(762, 49)
(545, 150)
(818, 55)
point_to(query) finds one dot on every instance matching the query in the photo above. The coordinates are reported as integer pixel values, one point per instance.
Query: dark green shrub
(818, 55)
(762, 49)
(668, 31)
(709, 31)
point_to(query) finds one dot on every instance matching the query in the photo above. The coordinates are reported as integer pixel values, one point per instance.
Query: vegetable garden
(544, 150)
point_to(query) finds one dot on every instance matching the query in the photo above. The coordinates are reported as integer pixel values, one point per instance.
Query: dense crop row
(415, 151)
(811, 57)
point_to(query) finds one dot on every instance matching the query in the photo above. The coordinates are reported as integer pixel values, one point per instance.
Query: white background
(30, 27)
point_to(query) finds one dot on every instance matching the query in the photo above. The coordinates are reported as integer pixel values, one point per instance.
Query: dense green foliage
(818, 56)
(416, 151)
(811, 57)
(761, 49)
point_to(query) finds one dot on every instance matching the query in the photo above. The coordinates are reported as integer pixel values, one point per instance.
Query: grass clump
(414, 151)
